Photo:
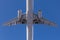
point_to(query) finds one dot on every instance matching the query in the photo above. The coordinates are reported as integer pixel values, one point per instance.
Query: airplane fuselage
(29, 18)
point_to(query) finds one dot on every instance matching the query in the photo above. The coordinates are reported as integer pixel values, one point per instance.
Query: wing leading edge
(45, 21)
(12, 22)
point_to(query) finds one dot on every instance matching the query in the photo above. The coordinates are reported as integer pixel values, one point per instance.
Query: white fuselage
(29, 17)
(29, 5)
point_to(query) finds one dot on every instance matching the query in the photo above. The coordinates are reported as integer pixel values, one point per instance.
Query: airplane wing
(45, 21)
(12, 22)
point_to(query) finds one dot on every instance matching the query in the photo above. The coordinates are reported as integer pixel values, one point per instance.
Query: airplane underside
(29, 18)
(36, 20)
(23, 20)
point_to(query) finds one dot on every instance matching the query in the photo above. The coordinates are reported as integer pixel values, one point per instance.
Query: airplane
(37, 19)
(29, 18)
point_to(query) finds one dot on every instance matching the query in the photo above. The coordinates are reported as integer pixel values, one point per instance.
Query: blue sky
(50, 9)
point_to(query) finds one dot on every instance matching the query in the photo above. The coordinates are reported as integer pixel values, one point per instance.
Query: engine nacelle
(19, 14)
(39, 13)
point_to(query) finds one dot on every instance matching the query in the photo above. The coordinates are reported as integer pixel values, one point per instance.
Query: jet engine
(19, 14)
(39, 13)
